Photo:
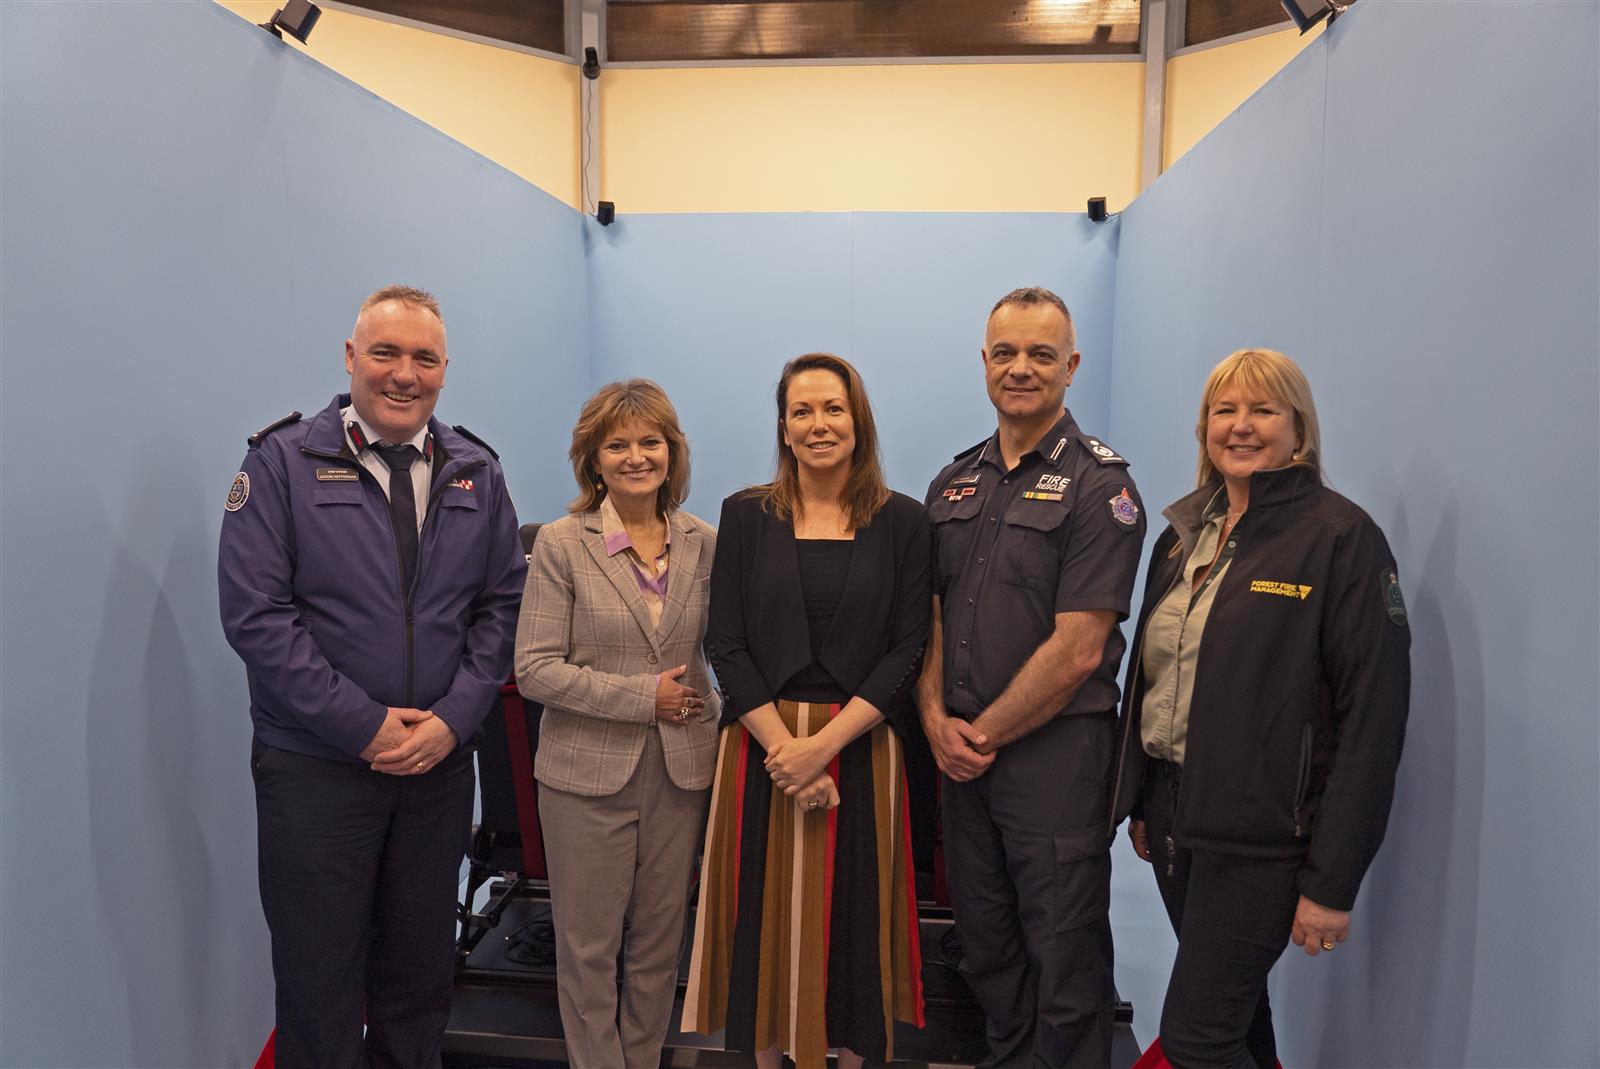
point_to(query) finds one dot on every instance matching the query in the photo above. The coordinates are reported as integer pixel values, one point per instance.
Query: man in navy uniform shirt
(1037, 534)
(369, 576)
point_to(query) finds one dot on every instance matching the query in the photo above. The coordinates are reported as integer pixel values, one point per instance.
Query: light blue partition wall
(712, 306)
(1409, 210)
(192, 213)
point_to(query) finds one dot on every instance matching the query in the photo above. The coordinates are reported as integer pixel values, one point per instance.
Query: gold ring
(1326, 945)
(422, 764)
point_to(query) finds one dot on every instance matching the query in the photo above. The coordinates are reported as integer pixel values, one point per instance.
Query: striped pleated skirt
(806, 934)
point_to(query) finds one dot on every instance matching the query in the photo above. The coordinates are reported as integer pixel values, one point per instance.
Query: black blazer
(757, 637)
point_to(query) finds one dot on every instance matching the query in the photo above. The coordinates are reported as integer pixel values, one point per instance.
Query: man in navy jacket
(369, 576)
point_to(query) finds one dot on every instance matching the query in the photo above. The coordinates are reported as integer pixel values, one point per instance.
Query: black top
(757, 633)
(1301, 689)
(1061, 532)
(824, 565)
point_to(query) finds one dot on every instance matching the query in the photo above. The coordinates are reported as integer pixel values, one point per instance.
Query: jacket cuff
(357, 732)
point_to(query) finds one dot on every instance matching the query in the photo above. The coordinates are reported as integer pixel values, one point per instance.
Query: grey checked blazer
(587, 650)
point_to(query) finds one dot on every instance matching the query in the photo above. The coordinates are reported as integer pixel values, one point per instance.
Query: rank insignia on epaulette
(1104, 453)
(259, 436)
(956, 493)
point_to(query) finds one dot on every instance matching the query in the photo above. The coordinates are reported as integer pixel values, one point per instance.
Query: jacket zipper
(407, 597)
(406, 602)
(1225, 553)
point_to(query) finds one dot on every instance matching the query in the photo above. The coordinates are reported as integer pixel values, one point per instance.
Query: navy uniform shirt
(1060, 532)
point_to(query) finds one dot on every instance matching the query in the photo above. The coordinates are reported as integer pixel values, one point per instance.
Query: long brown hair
(865, 491)
(631, 401)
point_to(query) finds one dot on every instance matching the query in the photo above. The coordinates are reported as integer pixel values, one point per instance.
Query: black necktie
(402, 506)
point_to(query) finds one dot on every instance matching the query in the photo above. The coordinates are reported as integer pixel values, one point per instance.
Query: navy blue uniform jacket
(309, 583)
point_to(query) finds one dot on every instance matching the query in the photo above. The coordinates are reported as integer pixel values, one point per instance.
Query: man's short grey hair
(1031, 296)
(406, 295)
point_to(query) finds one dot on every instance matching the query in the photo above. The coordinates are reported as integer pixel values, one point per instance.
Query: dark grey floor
(504, 1015)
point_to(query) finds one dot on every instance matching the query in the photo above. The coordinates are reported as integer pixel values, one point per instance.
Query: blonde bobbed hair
(1267, 373)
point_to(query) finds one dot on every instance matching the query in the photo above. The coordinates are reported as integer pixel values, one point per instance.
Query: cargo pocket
(1083, 876)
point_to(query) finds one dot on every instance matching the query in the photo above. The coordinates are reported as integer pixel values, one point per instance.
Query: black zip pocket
(1303, 781)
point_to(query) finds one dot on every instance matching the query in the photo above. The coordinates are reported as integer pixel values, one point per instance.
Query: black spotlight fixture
(1307, 13)
(591, 63)
(1097, 209)
(296, 18)
(606, 212)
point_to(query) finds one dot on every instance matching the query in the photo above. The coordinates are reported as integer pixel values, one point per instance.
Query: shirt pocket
(955, 528)
(1030, 556)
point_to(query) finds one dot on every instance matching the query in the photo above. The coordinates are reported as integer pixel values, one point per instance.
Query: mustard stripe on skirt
(806, 934)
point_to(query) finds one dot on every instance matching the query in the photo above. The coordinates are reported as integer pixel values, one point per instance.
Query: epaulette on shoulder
(260, 436)
(469, 436)
(967, 452)
(1102, 452)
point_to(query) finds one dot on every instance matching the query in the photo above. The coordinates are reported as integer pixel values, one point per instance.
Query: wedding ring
(421, 764)
(1326, 945)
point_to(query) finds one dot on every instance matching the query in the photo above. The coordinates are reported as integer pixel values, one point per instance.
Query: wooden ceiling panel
(665, 31)
(531, 23)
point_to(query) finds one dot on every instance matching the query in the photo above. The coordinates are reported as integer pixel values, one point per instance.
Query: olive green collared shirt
(1171, 643)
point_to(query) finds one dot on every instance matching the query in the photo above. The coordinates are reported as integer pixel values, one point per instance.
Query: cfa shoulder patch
(1102, 452)
(1393, 601)
(469, 436)
(260, 436)
(238, 493)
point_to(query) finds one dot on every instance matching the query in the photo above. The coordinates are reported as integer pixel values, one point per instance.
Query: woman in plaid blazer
(610, 640)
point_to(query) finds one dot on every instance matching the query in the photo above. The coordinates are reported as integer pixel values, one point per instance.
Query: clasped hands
(676, 703)
(410, 742)
(955, 743)
(798, 768)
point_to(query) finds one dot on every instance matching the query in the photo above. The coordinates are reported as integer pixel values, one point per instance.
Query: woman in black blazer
(806, 937)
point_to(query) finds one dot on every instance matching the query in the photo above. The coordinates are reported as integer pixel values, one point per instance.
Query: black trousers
(1029, 865)
(1232, 916)
(359, 873)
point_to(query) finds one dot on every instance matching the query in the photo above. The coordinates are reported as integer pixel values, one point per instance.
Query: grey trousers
(624, 856)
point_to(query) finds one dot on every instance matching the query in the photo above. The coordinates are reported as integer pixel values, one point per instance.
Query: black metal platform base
(505, 1017)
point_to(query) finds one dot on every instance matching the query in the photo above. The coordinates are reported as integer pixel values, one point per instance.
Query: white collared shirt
(421, 468)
